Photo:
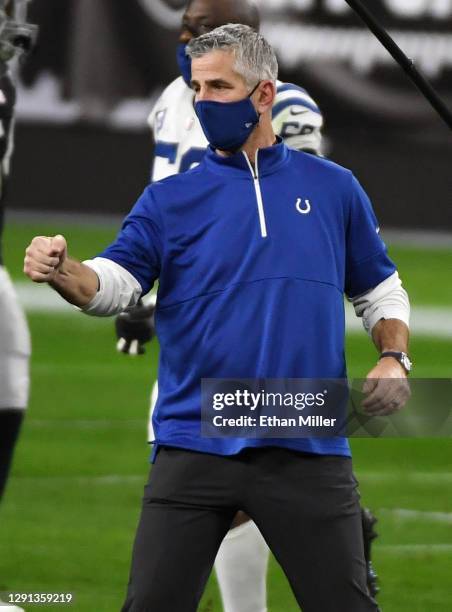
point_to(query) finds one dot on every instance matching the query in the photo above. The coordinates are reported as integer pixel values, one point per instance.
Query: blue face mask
(184, 63)
(227, 125)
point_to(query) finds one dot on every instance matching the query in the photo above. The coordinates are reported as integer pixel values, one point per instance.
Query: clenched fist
(44, 257)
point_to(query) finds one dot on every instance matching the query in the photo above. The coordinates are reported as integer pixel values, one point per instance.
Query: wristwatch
(401, 357)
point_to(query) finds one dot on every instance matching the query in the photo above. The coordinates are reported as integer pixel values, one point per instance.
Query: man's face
(214, 78)
(202, 16)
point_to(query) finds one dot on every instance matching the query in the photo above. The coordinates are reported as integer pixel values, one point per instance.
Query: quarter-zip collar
(270, 159)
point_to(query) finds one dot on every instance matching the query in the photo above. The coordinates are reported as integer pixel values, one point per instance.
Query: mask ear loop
(254, 89)
(250, 94)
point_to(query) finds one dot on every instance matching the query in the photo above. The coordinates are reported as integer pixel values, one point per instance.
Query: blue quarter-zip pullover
(253, 261)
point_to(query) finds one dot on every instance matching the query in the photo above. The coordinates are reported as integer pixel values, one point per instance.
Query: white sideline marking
(119, 478)
(107, 479)
(425, 320)
(425, 239)
(413, 478)
(41, 298)
(409, 549)
(422, 478)
(88, 423)
(417, 515)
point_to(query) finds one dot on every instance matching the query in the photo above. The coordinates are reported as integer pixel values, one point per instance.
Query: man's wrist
(75, 282)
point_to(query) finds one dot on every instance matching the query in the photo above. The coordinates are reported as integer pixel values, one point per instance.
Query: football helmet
(17, 36)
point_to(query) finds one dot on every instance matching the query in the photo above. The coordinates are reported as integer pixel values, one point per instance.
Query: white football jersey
(180, 143)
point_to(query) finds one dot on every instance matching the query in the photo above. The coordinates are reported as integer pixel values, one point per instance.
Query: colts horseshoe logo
(305, 209)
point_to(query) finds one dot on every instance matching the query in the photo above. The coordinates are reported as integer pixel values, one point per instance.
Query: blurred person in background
(180, 144)
(16, 37)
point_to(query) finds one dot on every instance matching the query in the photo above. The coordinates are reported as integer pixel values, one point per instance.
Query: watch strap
(400, 356)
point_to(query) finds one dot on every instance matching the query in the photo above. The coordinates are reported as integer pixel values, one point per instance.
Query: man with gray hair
(253, 249)
(179, 145)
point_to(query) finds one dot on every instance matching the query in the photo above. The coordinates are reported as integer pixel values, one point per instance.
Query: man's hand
(44, 257)
(134, 328)
(386, 387)
(47, 261)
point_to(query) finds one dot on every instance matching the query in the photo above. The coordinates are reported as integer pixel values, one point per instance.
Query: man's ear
(264, 96)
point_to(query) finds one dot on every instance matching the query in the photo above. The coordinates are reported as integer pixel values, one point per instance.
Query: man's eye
(187, 30)
(204, 28)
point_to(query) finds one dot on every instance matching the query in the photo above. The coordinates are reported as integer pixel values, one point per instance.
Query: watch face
(405, 361)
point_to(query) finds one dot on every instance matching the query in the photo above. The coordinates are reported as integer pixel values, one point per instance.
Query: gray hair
(255, 59)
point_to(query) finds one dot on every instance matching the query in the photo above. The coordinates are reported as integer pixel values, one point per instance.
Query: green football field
(69, 515)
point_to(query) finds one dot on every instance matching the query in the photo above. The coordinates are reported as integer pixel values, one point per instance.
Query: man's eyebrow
(212, 83)
(218, 82)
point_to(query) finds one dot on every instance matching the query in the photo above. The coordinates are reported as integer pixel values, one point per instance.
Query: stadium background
(82, 157)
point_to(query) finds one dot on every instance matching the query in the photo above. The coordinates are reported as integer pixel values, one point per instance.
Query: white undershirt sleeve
(118, 289)
(388, 300)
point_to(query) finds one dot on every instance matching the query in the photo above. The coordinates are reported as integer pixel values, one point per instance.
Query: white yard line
(441, 478)
(412, 549)
(41, 298)
(425, 320)
(56, 217)
(426, 239)
(88, 423)
(437, 478)
(107, 479)
(407, 514)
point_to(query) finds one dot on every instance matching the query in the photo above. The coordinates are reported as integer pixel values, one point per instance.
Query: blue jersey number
(192, 157)
(168, 150)
(294, 128)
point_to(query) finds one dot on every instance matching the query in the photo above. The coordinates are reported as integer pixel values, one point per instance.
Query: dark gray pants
(306, 506)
